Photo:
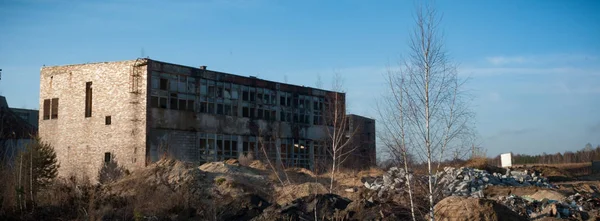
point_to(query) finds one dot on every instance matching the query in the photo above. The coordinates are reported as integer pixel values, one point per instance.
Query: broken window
(252, 96)
(191, 85)
(259, 115)
(220, 147)
(227, 110)
(88, 99)
(182, 86)
(245, 112)
(282, 100)
(162, 102)
(203, 87)
(155, 80)
(173, 101)
(164, 84)
(190, 103)
(107, 157)
(234, 110)
(154, 101)
(203, 105)
(220, 89)
(211, 108)
(107, 120)
(219, 108)
(245, 94)
(173, 82)
(46, 109)
(252, 112)
(54, 108)
(211, 89)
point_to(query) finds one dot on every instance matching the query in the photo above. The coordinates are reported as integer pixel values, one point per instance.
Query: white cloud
(550, 59)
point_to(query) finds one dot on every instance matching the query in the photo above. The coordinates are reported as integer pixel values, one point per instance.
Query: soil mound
(462, 208)
(323, 206)
(289, 193)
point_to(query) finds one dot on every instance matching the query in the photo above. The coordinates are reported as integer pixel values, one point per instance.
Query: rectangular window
(153, 101)
(88, 99)
(211, 108)
(227, 110)
(46, 109)
(282, 116)
(54, 108)
(245, 112)
(182, 103)
(282, 100)
(260, 114)
(162, 102)
(164, 84)
(252, 96)
(173, 101)
(107, 157)
(190, 105)
(251, 113)
(219, 108)
(107, 120)
(234, 110)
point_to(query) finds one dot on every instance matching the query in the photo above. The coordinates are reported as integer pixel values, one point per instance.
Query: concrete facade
(160, 109)
(364, 156)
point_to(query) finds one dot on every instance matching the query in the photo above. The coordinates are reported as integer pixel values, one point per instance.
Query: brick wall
(80, 142)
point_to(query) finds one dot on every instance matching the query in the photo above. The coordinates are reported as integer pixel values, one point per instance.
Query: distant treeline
(584, 155)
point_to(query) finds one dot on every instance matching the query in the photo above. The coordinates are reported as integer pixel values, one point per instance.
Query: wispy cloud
(511, 133)
(551, 59)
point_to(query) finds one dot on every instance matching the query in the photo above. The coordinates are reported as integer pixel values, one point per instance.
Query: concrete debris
(471, 182)
(545, 208)
(462, 181)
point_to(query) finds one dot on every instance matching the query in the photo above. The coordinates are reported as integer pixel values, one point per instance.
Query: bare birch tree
(338, 133)
(427, 112)
(393, 136)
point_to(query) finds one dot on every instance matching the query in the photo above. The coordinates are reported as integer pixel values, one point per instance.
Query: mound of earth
(323, 206)
(462, 208)
(291, 192)
(554, 174)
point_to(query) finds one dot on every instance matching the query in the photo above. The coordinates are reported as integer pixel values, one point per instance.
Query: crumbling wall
(81, 142)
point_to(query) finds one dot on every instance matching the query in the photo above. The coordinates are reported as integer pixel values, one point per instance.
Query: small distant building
(138, 111)
(29, 115)
(362, 130)
(15, 132)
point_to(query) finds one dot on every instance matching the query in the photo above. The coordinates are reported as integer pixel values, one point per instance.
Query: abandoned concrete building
(137, 111)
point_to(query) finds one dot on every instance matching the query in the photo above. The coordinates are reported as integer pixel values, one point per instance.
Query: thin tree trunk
(31, 178)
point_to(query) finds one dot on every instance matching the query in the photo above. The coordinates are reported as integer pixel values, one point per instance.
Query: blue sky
(534, 65)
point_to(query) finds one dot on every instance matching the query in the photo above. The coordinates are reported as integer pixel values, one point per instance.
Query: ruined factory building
(137, 111)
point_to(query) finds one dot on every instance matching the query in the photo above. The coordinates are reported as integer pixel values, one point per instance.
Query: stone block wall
(82, 142)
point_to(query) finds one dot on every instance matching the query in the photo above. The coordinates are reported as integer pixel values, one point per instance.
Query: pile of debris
(526, 206)
(471, 182)
(392, 180)
(462, 181)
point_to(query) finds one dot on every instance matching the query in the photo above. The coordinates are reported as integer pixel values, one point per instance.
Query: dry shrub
(110, 172)
(246, 159)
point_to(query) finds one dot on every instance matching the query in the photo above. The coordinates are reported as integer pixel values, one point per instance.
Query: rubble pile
(462, 181)
(466, 181)
(570, 208)
(392, 180)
